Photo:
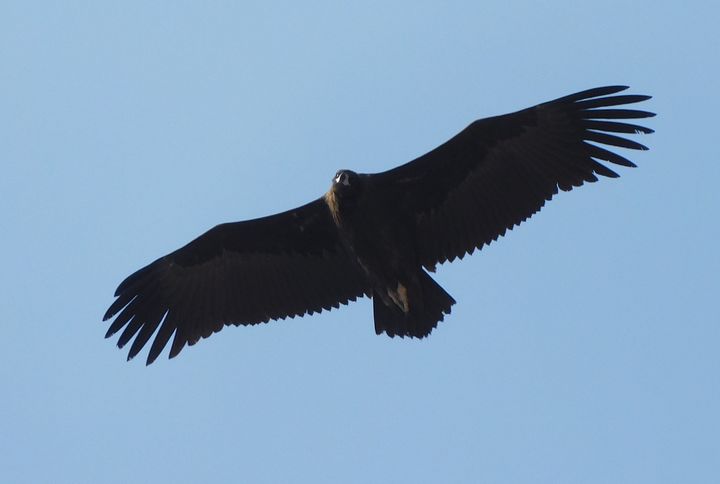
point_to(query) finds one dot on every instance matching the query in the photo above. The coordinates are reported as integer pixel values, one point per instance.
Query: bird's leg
(400, 297)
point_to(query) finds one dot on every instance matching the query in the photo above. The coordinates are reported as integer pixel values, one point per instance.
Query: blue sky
(584, 345)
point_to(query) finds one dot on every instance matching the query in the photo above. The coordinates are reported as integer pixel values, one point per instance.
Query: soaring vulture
(378, 235)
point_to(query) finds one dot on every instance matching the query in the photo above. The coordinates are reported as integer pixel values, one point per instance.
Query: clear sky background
(584, 347)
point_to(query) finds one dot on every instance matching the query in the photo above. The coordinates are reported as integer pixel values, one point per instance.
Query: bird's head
(346, 182)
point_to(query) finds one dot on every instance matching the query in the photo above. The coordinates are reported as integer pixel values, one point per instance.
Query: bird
(379, 235)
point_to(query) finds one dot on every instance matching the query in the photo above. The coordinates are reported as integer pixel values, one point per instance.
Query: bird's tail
(427, 304)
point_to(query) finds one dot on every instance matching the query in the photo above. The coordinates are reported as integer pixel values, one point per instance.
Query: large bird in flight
(378, 235)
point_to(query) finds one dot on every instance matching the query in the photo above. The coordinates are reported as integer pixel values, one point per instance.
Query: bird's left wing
(242, 273)
(499, 171)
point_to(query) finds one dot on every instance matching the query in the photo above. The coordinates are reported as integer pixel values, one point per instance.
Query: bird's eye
(343, 179)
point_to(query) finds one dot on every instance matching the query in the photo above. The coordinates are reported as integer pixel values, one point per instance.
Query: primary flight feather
(379, 234)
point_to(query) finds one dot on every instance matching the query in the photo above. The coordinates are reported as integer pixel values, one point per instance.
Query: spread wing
(248, 272)
(499, 171)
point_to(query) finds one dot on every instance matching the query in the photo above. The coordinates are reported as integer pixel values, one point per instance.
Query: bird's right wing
(242, 273)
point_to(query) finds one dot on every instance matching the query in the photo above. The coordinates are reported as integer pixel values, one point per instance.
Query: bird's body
(380, 234)
(385, 251)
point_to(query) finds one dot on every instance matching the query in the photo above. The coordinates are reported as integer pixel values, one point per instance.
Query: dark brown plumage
(378, 234)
